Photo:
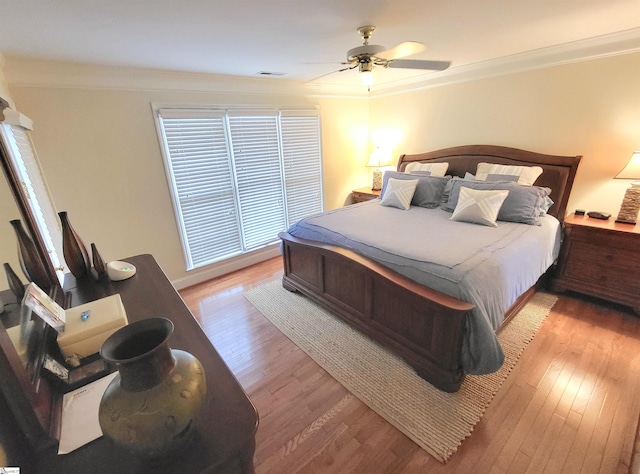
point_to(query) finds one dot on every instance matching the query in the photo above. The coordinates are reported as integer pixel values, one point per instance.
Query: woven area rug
(436, 421)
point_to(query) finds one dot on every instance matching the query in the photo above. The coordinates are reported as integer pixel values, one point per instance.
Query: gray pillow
(524, 204)
(428, 191)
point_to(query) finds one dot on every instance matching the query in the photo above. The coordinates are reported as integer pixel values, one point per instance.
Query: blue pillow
(524, 204)
(428, 191)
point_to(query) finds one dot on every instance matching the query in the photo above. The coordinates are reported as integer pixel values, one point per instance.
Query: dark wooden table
(228, 422)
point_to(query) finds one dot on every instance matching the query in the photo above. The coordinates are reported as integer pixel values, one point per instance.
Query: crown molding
(624, 42)
(26, 72)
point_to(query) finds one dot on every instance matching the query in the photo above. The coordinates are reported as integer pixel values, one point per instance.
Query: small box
(87, 326)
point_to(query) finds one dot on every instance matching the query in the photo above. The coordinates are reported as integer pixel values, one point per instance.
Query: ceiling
(304, 39)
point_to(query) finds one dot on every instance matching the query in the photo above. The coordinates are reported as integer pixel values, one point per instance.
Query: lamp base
(630, 206)
(377, 180)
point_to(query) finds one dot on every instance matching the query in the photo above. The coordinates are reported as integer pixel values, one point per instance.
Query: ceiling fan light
(367, 78)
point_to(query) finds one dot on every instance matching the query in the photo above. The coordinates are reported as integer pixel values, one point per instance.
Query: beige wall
(100, 153)
(589, 108)
(99, 147)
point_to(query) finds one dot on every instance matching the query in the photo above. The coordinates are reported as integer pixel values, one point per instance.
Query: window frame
(225, 112)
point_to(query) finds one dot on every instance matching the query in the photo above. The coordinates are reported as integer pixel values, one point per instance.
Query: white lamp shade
(632, 170)
(380, 157)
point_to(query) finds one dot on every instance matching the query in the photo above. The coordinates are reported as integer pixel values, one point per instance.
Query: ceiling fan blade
(408, 48)
(419, 64)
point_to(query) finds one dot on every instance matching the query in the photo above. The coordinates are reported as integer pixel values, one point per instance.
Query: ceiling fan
(368, 56)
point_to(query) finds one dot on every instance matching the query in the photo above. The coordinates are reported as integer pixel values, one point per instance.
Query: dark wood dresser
(600, 258)
(226, 428)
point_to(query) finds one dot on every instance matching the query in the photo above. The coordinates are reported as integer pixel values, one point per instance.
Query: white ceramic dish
(118, 270)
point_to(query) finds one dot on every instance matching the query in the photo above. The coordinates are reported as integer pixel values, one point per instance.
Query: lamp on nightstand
(631, 202)
(379, 157)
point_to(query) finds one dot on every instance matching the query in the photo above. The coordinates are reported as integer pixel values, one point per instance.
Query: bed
(435, 327)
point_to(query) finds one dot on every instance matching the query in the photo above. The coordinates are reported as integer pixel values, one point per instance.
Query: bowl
(118, 270)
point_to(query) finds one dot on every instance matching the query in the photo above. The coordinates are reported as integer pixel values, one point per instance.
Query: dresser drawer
(604, 266)
(616, 242)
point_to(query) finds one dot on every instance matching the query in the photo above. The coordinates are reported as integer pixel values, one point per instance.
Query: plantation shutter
(239, 177)
(256, 156)
(302, 165)
(200, 167)
(22, 153)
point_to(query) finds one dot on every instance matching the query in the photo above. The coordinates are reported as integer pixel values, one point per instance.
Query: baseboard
(227, 266)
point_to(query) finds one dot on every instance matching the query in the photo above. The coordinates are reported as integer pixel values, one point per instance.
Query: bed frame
(423, 326)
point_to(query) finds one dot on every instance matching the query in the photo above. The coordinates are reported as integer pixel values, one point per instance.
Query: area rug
(436, 421)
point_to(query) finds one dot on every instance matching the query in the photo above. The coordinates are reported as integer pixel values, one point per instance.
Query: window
(239, 177)
(22, 153)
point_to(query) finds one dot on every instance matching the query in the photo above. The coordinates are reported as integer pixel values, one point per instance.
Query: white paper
(80, 423)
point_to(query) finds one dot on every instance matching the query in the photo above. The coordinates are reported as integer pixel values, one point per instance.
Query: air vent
(270, 73)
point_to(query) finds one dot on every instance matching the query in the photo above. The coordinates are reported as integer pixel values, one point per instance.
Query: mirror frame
(30, 223)
(31, 402)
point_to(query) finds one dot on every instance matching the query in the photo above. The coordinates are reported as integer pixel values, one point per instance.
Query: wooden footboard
(423, 326)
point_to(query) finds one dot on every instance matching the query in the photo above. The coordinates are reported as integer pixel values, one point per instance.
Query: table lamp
(631, 202)
(379, 157)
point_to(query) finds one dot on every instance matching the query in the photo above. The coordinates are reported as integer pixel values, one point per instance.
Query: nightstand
(364, 194)
(600, 258)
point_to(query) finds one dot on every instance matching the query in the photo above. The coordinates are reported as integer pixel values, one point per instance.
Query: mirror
(21, 388)
(15, 188)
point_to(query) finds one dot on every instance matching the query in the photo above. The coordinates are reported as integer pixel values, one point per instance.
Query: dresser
(600, 258)
(226, 427)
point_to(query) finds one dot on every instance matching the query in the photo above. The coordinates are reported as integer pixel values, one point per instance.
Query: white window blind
(22, 153)
(239, 177)
(302, 165)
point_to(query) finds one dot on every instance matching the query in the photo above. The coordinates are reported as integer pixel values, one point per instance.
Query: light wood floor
(570, 405)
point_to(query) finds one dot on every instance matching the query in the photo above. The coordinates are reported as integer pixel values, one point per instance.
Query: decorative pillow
(436, 169)
(525, 204)
(428, 191)
(527, 175)
(479, 207)
(398, 193)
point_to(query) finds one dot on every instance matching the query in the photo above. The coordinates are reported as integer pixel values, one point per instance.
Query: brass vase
(73, 248)
(150, 407)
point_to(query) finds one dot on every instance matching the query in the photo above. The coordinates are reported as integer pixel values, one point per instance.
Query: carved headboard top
(558, 171)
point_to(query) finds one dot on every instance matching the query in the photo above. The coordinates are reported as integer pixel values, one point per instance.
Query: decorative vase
(30, 261)
(74, 251)
(15, 285)
(150, 407)
(98, 263)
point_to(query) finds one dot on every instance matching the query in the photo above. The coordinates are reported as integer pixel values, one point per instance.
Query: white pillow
(479, 206)
(435, 169)
(526, 175)
(399, 192)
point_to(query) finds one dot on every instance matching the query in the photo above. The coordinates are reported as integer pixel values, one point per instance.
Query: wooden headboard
(558, 171)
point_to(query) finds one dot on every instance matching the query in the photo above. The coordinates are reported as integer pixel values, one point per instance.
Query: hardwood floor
(570, 405)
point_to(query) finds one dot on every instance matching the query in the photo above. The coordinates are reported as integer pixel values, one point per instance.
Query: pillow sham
(526, 175)
(428, 191)
(479, 206)
(436, 169)
(524, 204)
(398, 193)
